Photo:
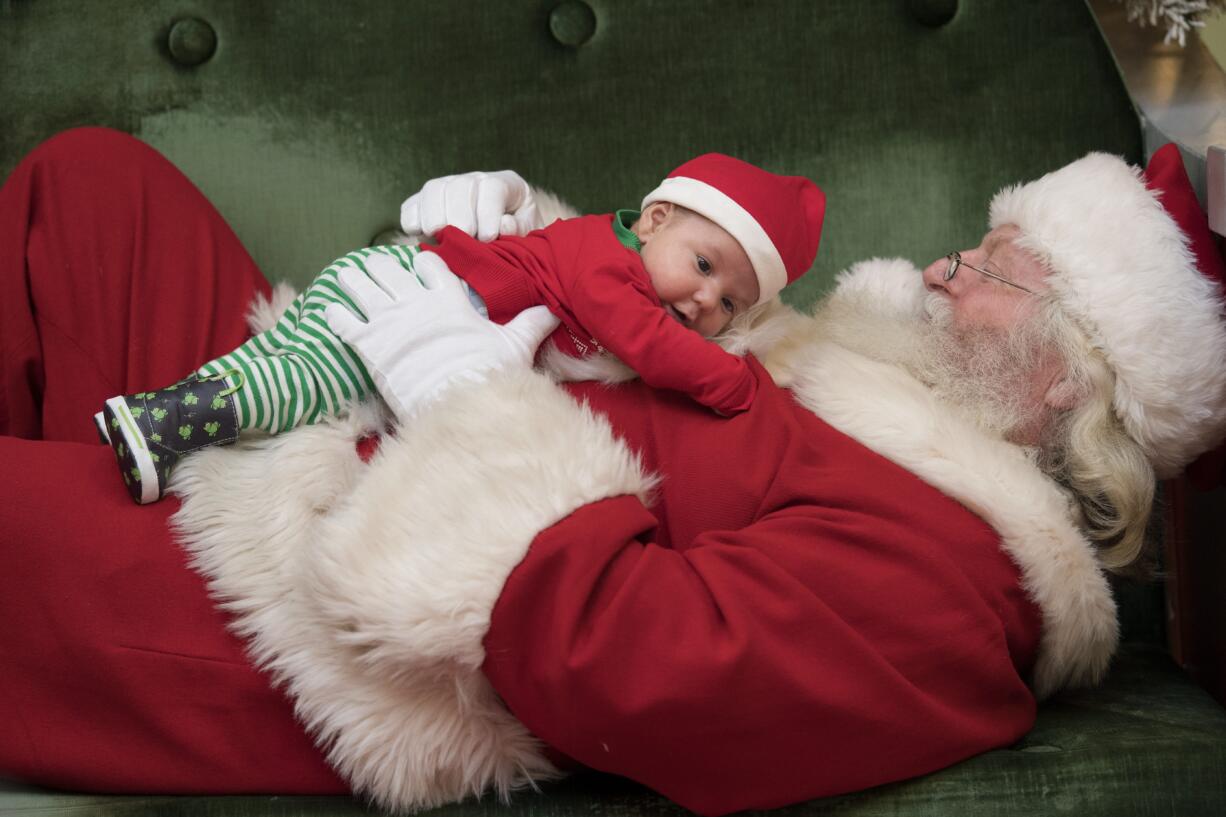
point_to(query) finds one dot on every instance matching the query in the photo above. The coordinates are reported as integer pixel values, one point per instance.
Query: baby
(715, 238)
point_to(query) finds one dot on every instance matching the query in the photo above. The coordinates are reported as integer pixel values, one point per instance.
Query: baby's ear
(653, 217)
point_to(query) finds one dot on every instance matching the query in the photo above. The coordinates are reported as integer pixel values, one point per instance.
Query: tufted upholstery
(306, 124)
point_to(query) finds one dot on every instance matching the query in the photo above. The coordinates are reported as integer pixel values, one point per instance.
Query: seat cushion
(1147, 741)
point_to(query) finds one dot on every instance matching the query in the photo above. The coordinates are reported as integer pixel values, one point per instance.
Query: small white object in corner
(1179, 16)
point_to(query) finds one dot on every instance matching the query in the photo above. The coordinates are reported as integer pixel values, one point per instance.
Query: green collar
(623, 220)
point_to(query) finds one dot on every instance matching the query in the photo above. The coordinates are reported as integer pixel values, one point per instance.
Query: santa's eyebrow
(991, 245)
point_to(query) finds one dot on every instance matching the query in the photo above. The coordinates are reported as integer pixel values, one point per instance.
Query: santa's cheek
(975, 312)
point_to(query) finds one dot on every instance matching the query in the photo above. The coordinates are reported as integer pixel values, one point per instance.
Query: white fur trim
(719, 207)
(264, 313)
(893, 286)
(1122, 267)
(550, 208)
(601, 368)
(895, 415)
(367, 589)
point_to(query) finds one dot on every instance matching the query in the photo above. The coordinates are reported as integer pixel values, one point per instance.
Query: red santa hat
(776, 219)
(1131, 258)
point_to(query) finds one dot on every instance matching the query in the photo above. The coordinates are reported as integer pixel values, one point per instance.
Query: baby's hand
(482, 204)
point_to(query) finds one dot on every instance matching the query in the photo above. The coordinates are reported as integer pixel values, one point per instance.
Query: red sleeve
(622, 312)
(747, 671)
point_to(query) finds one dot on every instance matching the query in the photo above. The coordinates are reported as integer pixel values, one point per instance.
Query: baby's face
(701, 273)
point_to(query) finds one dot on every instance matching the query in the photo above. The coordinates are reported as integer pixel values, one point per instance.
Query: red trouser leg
(117, 672)
(117, 276)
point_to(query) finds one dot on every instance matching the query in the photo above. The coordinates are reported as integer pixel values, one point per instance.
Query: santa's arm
(507, 531)
(723, 677)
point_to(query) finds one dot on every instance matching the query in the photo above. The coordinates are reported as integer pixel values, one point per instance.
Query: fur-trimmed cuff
(408, 570)
(892, 286)
(367, 589)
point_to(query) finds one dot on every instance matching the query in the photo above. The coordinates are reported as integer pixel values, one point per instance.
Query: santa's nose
(934, 275)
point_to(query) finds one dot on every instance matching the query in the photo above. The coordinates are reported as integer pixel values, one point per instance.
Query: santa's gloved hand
(482, 204)
(421, 333)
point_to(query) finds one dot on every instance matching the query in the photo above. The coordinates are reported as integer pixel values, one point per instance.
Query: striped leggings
(299, 371)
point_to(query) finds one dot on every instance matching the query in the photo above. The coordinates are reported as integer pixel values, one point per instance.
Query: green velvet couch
(307, 123)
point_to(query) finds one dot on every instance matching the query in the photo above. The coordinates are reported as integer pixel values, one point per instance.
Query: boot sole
(103, 434)
(138, 449)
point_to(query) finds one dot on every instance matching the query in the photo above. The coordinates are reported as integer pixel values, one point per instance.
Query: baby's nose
(706, 296)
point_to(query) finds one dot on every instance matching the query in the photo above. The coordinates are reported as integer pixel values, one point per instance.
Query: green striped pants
(299, 371)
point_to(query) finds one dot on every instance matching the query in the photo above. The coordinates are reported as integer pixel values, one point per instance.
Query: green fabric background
(312, 120)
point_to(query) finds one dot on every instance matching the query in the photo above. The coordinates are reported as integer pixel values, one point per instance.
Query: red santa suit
(588, 273)
(842, 586)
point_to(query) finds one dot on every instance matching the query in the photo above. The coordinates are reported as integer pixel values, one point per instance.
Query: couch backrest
(308, 122)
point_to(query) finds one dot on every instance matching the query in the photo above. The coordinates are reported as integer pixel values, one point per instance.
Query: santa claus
(874, 572)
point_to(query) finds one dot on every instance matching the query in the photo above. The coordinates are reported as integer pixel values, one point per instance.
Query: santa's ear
(1064, 394)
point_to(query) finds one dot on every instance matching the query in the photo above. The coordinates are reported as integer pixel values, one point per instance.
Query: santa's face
(993, 349)
(984, 346)
(978, 301)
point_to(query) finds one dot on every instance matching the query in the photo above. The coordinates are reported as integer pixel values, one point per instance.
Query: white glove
(482, 204)
(420, 336)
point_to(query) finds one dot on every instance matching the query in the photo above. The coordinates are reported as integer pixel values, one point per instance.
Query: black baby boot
(150, 430)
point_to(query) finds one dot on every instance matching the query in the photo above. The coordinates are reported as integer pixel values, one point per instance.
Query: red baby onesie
(600, 290)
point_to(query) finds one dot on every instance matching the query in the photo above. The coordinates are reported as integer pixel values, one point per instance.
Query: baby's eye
(704, 266)
(728, 305)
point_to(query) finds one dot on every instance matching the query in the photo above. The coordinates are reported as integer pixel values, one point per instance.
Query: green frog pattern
(173, 421)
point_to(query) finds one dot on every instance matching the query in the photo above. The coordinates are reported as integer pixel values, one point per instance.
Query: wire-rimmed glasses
(955, 261)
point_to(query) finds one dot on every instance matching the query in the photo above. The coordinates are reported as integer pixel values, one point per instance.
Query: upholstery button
(933, 13)
(572, 23)
(191, 41)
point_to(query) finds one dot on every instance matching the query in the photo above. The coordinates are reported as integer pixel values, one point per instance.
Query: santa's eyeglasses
(955, 261)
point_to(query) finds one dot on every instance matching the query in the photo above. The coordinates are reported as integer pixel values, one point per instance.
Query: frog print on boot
(149, 431)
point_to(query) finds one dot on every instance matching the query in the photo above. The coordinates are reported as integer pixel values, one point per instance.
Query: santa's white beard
(985, 374)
